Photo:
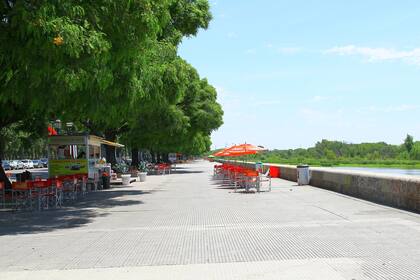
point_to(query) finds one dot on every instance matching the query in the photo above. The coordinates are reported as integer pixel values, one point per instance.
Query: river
(411, 172)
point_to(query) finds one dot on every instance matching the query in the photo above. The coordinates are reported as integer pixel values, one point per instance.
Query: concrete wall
(396, 191)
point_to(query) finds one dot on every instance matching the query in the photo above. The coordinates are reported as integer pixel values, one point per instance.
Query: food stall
(77, 154)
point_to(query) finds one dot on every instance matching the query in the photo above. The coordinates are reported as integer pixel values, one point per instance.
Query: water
(395, 171)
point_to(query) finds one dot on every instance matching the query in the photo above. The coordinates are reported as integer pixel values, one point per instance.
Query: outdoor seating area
(238, 175)
(161, 169)
(43, 194)
(242, 177)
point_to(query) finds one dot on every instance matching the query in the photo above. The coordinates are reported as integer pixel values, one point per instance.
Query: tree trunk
(154, 157)
(110, 150)
(135, 161)
(165, 157)
(3, 176)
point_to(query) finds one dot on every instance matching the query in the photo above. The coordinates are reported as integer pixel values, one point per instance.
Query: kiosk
(77, 154)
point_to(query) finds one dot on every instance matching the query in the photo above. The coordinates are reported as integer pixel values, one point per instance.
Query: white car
(13, 164)
(27, 163)
(19, 164)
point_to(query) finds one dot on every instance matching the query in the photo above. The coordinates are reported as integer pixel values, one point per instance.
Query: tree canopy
(109, 66)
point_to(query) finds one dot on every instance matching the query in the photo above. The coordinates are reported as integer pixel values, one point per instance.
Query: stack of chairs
(42, 194)
(163, 168)
(240, 177)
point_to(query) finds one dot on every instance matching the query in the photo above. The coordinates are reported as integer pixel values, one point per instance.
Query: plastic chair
(58, 190)
(266, 177)
(253, 180)
(22, 195)
(42, 190)
(69, 187)
(81, 185)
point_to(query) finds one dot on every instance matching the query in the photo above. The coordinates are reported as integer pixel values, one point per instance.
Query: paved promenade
(186, 226)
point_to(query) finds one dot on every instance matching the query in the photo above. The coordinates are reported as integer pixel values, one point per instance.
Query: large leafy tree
(73, 59)
(183, 119)
(153, 72)
(91, 62)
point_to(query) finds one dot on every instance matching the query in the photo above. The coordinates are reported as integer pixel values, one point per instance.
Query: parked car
(13, 164)
(20, 164)
(44, 161)
(37, 163)
(6, 165)
(27, 163)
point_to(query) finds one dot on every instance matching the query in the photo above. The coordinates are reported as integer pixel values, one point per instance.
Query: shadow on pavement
(226, 188)
(186, 172)
(73, 215)
(178, 171)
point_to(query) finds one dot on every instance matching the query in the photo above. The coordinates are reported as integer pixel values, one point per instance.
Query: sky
(291, 73)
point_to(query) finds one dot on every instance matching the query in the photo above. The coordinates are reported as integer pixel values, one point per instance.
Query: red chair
(161, 169)
(58, 189)
(69, 188)
(217, 171)
(22, 195)
(48, 193)
(81, 185)
(252, 180)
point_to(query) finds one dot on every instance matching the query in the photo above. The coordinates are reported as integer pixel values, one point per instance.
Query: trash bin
(142, 176)
(106, 182)
(303, 174)
(126, 179)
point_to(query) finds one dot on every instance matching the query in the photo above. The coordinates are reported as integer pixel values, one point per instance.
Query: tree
(415, 151)
(93, 62)
(409, 143)
(183, 118)
(73, 60)
(147, 62)
(330, 155)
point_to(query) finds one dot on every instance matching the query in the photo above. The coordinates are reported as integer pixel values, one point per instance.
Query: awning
(109, 143)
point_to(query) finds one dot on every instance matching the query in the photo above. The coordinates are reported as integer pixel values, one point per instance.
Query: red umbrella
(244, 149)
(240, 150)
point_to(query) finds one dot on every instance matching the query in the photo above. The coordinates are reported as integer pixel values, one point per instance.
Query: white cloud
(283, 50)
(391, 109)
(319, 98)
(232, 35)
(259, 103)
(378, 54)
(250, 51)
(289, 50)
(336, 118)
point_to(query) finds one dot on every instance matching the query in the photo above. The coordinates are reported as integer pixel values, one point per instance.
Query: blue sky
(291, 73)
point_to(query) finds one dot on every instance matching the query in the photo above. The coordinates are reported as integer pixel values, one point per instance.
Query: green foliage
(23, 141)
(415, 151)
(334, 153)
(182, 119)
(409, 143)
(110, 67)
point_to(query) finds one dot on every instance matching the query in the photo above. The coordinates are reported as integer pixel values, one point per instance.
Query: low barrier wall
(396, 191)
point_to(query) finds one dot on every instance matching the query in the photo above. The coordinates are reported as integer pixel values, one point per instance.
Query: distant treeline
(334, 153)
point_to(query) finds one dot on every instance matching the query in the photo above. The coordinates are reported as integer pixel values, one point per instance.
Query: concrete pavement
(187, 226)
